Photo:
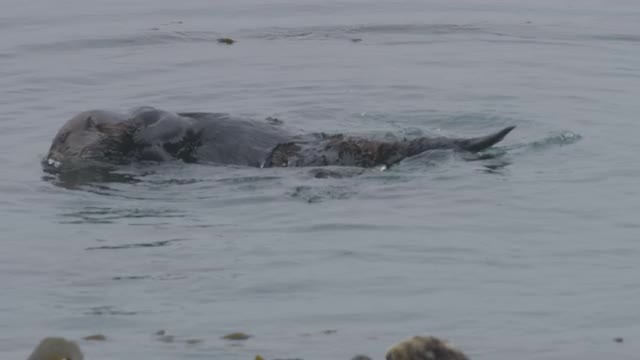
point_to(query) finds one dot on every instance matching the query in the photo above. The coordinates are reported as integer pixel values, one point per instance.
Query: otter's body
(148, 134)
(229, 140)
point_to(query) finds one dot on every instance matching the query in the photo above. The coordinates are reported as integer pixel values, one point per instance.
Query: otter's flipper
(481, 143)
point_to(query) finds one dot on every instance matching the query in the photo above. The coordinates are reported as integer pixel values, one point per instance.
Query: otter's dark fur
(102, 137)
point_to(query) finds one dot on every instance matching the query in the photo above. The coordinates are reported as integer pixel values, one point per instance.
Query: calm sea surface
(531, 253)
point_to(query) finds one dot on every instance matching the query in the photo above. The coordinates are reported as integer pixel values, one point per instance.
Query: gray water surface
(530, 252)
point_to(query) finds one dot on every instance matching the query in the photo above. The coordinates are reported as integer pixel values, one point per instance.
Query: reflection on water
(88, 178)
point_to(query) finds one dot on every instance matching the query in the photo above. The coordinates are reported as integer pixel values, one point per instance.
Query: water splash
(561, 138)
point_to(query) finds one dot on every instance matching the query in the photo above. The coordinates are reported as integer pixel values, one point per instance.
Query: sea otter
(424, 348)
(56, 348)
(148, 134)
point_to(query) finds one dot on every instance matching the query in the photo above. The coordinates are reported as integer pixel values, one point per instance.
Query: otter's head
(89, 137)
(53, 348)
(424, 348)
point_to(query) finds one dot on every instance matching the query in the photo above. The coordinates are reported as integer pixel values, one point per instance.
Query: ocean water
(530, 252)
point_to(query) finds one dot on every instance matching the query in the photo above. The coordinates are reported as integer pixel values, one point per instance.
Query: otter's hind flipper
(481, 143)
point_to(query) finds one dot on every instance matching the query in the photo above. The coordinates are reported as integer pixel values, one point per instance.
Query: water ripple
(105, 215)
(160, 243)
(149, 38)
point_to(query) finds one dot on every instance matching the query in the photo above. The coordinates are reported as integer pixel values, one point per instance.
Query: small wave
(344, 227)
(240, 180)
(425, 29)
(354, 33)
(134, 40)
(130, 277)
(283, 33)
(102, 215)
(335, 172)
(159, 243)
(175, 181)
(316, 194)
(617, 37)
(108, 310)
